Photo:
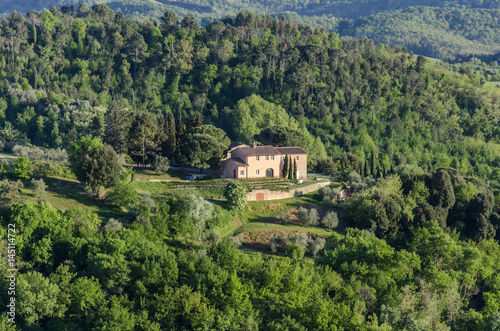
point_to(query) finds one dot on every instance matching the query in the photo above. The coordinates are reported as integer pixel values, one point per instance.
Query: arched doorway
(234, 173)
(270, 172)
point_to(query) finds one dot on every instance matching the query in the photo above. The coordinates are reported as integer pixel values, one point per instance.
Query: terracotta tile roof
(259, 150)
(237, 144)
(239, 162)
(291, 150)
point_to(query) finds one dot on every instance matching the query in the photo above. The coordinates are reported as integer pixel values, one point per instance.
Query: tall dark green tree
(99, 167)
(367, 168)
(285, 167)
(170, 146)
(373, 164)
(442, 193)
(203, 146)
(143, 145)
(294, 169)
(118, 123)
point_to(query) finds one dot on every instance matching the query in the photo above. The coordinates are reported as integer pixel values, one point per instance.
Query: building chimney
(254, 144)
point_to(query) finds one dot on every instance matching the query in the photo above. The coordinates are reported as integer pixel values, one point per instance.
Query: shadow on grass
(103, 211)
(255, 251)
(74, 193)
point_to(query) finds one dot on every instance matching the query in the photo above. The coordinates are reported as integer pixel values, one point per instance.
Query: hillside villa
(245, 162)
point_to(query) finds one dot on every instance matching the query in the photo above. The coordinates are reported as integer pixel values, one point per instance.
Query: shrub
(161, 164)
(10, 192)
(294, 251)
(330, 221)
(308, 217)
(38, 187)
(300, 239)
(4, 167)
(353, 177)
(22, 168)
(315, 245)
(42, 154)
(113, 225)
(237, 240)
(284, 217)
(122, 195)
(54, 169)
(236, 195)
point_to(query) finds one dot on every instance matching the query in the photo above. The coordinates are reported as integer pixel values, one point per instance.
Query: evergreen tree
(374, 165)
(294, 169)
(171, 143)
(195, 120)
(367, 168)
(161, 133)
(442, 193)
(290, 168)
(118, 124)
(180, 135)
(285, 167)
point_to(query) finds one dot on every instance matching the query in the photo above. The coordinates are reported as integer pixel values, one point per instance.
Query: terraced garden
(214, 187)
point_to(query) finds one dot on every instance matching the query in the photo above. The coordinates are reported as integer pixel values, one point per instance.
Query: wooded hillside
(143, 86)
(415, 248)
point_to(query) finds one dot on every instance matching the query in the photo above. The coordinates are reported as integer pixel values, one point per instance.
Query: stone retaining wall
(257, 195)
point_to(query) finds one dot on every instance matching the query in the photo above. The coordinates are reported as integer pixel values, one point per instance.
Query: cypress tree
(161, 134)
(285, 167)
(290, 168)
(294, 169)
(374, 165)
(171, 136)
(367, 168)
(195, 120)
(180, 135)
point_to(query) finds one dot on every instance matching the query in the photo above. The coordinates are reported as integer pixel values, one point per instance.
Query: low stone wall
(257, 195)
(267, 195)
(307, 189)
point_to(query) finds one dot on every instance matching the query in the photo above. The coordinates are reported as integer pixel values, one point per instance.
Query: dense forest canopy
(142, 86)
(417, 143)
(438, 32)
(444, 29)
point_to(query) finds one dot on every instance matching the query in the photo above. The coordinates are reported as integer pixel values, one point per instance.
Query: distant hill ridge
(443, 29)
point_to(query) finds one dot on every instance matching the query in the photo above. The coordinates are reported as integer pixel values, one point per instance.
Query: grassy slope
(258, 221)
(65, 194)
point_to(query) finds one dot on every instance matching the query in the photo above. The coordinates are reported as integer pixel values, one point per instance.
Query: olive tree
(308, 217)
(330, 221)
(199, 210)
